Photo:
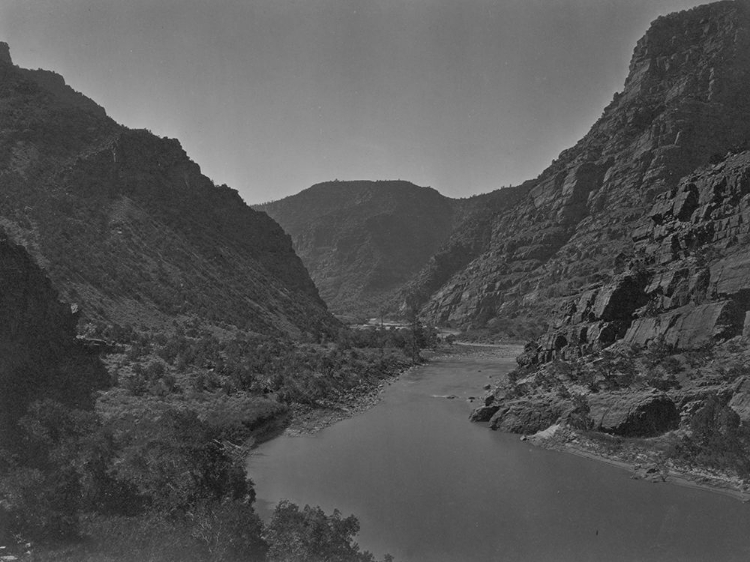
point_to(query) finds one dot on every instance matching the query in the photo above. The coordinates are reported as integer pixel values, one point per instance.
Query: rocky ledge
(688, 276)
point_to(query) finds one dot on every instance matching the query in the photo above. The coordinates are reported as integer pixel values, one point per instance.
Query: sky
(272, 96)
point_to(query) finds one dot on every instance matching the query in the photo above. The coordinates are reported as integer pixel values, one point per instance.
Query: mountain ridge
(682, 103)
(514, 254)
(361, 240)
(127, 226)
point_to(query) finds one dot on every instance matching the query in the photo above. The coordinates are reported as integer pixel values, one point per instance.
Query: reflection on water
(427, 485)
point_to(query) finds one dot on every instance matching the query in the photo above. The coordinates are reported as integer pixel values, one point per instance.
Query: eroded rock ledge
(688, 281)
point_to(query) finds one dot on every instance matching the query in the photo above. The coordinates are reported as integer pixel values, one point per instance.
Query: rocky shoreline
(642, 463)
(307, 419)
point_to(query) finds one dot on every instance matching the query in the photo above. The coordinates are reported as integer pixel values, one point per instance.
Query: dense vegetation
(127, 226)
(157, 469)
(210, 331)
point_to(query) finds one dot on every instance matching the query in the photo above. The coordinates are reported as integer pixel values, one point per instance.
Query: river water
(427, 485)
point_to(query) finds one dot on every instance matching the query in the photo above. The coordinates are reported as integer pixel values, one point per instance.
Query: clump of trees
(301, 535)
(160, 462)
(717, 438)
(76, 475)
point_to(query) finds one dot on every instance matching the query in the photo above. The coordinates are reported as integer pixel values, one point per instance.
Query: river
(427, 485)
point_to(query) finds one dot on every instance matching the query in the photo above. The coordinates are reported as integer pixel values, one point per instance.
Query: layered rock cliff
(656, 344)
(126, 225)
(684, 101)
(686, 291)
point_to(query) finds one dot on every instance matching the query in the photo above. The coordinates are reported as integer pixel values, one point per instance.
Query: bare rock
(483, 413)
(730, 277)
(690, 327)
(740, 401)
(528, 415)
(633, 414)
(619, 299)
(5, 53)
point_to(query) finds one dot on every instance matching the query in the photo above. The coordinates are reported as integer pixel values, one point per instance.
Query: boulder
(731, 278)
(633, 414)
(685, 202)
(484, 413)
(690, 327)
(740, 401)
(528, 414)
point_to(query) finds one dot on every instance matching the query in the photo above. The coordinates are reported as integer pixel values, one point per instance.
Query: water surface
(427, 485)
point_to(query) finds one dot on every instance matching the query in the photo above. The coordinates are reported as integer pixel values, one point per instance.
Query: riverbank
(428, 486)
(643, 463)
(640, 461)
(307, 419)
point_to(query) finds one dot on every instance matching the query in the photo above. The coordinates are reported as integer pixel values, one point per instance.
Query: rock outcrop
(633, 414)
(528, 415)
(689, 279)
(684, 102)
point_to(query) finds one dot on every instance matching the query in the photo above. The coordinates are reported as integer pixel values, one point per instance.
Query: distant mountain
(362, 241)
(128, 228)
(510, 262)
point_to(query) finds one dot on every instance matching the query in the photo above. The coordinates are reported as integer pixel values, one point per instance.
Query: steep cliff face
(688, 280)
(362, 240)
(650, 351)
(39, 354)
(126, 225)
(683, 102)
(695, 243)
(656, 344)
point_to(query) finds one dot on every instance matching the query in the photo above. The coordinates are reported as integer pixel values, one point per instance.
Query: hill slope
(40, 357)
(125, 223)
(362, 240)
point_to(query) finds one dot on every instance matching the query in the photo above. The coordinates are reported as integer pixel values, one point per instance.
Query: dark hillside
(126, 225)
(362, 240)
(39, 354)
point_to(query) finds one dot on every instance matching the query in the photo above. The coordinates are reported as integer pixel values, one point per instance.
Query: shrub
(309, 534)
(230, 530)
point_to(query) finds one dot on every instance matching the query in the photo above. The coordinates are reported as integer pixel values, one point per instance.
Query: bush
(54, 475)
(173, 461)
(230, 530)
(718, 439)
(309, 535)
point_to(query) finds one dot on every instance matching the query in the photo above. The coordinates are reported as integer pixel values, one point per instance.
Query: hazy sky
(271, 96)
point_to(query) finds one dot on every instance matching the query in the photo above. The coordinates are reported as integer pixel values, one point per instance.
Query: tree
(309, 535)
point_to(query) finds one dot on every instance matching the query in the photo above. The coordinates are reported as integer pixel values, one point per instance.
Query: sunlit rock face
(683, 105)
